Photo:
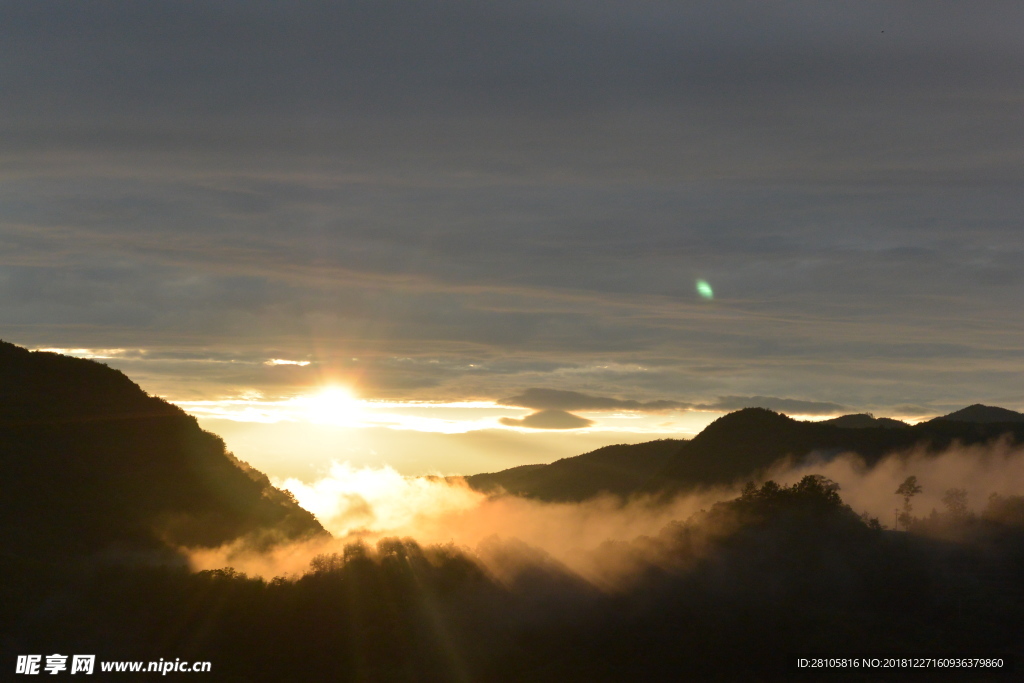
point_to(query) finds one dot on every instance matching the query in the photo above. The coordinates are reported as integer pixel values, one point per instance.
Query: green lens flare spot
(704, 289)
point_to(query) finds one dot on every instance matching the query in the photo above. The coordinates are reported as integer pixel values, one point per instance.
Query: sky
(461, 236)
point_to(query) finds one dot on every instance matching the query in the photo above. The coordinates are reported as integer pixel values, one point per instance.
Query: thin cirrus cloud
(561, 400)
(556, 399)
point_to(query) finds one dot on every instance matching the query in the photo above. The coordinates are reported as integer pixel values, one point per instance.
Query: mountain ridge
(91, 463)
(737, 446)
(865, 420)
(983, 414)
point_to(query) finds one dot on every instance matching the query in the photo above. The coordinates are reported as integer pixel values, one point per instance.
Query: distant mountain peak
(765, 415)
(746, 419)
(984, 414)
(864, 421)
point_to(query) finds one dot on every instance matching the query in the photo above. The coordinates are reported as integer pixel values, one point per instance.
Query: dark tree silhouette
(908, 489)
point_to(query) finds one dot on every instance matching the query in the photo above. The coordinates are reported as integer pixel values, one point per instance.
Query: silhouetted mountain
(90, 462)
(734, 447)
(621, 469)
(863, 421)
(984, 414)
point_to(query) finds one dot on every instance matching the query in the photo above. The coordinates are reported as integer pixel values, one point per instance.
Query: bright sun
(333, 405)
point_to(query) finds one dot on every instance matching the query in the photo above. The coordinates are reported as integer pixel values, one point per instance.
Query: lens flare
(704, 290)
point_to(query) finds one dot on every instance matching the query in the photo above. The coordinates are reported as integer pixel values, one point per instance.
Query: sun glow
(338, 406)
(335, 405)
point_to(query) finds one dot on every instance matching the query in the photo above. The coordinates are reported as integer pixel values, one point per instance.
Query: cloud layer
(472, 198)
(373, 503)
